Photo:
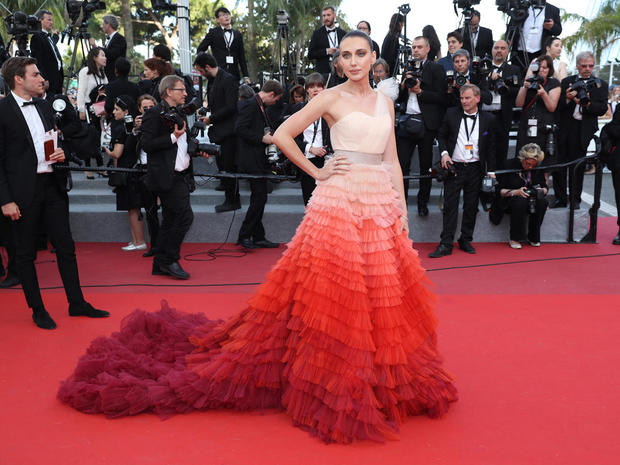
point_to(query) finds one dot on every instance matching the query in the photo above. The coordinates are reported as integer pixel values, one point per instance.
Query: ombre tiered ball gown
(341, 335)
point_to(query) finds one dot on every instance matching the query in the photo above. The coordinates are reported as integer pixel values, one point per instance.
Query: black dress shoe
(86, 309)
(42, 319)
(466, 246)
(558, 204)
(10, 281)
(422, 210)
(247, 243)
(148, 253)
(156, 271)
(227, 207)
(174, 270)
(616, 240)
(441, 251)
(266, 244)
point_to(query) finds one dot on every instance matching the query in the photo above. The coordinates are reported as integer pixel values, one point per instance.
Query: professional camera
(414, 68)
(176, 115)
(20, 23)
(503, 84)
(534, 194)
(481, 66)
(584, 87)
(80, 11)
(195, 147)
(550, 129)
(129, 124)
(518, 9)
(282, 17)
(535, 80)
(440, 173)
(454, 79)
(281, 165)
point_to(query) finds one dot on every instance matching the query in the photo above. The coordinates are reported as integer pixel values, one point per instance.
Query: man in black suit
(578, 123)
(462, 61)
(610, 140)
(254, 130)
(223, 94)
(325, 41)
(226, 45)
(425, 100)
(467, 143)
(43, 48)
(121, 86)
(480, 37)
(527, 37)
(31, 189)
(504, 96)
(115, 45)
(169, 176)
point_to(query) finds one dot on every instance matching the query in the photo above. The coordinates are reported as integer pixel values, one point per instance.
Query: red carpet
(533, 347)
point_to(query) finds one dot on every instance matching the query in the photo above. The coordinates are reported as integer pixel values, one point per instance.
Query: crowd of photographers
(479, 81)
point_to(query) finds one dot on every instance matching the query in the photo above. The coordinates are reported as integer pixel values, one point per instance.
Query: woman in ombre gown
(341, 335)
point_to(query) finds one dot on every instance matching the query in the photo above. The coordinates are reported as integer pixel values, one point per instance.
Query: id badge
(534, 30)
(469, 150)
(532, 127)
(230, 60)
(497, 99)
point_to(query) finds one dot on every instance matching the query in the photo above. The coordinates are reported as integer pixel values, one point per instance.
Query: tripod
(283, 65)
(81, 41)
(404, 49)
(21, 40)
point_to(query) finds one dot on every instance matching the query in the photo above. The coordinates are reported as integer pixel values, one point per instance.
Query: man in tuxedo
(467, 143)
(527, 38)
(254, 130)
(169, 176)
(578, 123)
(461, 60)
(455, 42)
(226, 45)
(121, 86)
(480, 37)
(503, 97)
(115, 45)
(43, 48)
(223, 94)
(425, 100)
(325, 41)
(31, 190)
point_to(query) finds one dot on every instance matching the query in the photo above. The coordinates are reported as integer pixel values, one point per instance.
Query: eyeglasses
(586, 66)
(179, 89)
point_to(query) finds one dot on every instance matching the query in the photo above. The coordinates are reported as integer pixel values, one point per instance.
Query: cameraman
(422, 95)
(169, 175)
(254, 131)
(43, 48)
(464, 75)
(579, 112)
(523, 194)
(478, 40)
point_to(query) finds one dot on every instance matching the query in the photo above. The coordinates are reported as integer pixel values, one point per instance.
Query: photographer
(115, 45)
(523, 195)
(254, 131)
(610, 141)
(223, 93)
(480, 37)
(583, 99)
(467, 143)
(43, 48)
(422, 96)
(464, 74)
(325, 41)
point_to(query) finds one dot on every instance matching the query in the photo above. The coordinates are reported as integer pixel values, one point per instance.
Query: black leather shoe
(616, 240)
(86, 309)
(10, 281)
(441, 251)
(466, 246)
(558, 204)
(227, 207)
(247, 243)
(148, 253)
(422, 210)
(42, 319)
(266, 244)
(156, 271)
(174, 270)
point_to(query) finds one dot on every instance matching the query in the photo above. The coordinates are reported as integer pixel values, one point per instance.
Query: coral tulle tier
(341, 334)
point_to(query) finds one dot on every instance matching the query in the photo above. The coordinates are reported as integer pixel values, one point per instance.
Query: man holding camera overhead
(583, 99)
(422, 97)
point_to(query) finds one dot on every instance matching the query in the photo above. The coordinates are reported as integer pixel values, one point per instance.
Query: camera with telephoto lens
(535, 80)
(503, 84)
(172, 116)
(194, 147)
(440, 173)
(481, 67)
(550, 130)
(414, 69)
(20, 23)
(517, 10)
(457, 80)
(584, 87)
(534, 193)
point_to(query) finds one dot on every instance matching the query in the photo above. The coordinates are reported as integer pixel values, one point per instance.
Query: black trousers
(520, 217)
(148, 200)
(252, 226)
(226, 162)
(177, 217)
(308, 183)
(501, 140)
(405, 147)
(571, 149)
(615, 178)
(51, 206)
(6, 240)
(469, 180)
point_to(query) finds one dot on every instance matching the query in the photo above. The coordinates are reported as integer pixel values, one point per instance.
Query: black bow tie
(329, 31)
(465, 115)
(31, 102)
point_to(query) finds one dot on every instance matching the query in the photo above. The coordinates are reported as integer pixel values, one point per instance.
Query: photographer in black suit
(169, 175)
(223, 94)
(481, 37)
(578, 124)
(43, 48)
(325, 41)
(254, 131)
(226, 45)
(425, 102)
(467, 143)
(31, 189)
(464, 72)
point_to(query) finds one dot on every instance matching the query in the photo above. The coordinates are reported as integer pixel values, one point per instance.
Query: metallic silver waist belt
(359, 157)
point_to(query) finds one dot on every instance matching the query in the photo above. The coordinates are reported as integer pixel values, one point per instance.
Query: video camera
(414, 68)
(79, 11)
(584, 87)
(535, 80)
(518, 9)
(20, 23)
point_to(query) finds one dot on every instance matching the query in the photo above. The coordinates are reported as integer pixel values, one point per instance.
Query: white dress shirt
(37, 131)
(228, 37)
(312, 138)
(110, 38)
(460, 153)
(54, 49)
(533, 29)
(182, 161)
(332, 37)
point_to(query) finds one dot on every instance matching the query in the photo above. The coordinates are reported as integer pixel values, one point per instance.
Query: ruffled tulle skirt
(341, 335)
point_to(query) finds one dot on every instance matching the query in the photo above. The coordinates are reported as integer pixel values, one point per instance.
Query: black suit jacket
(484, 45)
(250, 129)
(161, 152)
(122, 86)
(449, 131)
(45, 53)
(18, 158)
(389, 51)
(215, 40)
(223, 92)
(589, 122)
(117, 47)
(432, 99)
(551, 12)
(508, 100)
(317, 50)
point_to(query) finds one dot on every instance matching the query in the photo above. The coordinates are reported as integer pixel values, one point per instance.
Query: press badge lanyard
(469, 145)
(332, 36)
(316, 129)
(228, 38)
(262, 109)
